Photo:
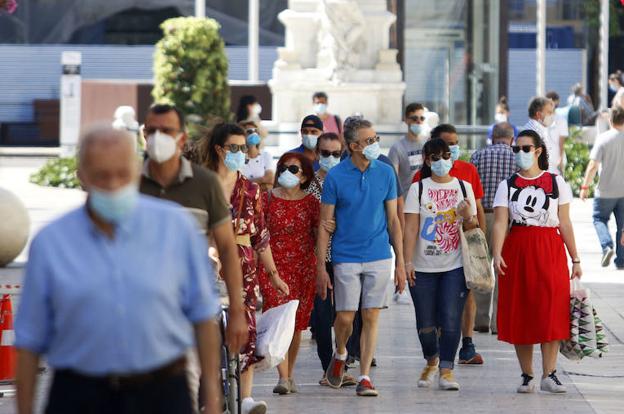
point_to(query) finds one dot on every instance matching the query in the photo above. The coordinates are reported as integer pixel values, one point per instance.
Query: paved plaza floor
(594, 386)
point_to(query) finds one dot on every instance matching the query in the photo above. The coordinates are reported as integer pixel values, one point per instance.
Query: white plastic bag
(275, 328)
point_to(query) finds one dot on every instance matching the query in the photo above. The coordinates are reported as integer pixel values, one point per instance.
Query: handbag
(587, 334)
(275, 330)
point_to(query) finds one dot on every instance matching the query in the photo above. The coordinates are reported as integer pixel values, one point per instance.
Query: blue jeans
(603, 208)
(439, 302)
(322, 320)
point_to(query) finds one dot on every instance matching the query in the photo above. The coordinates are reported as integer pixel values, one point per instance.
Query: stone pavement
(595, 386)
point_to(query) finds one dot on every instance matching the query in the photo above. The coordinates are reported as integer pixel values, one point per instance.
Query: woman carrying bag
(436, 210)
(534, 286)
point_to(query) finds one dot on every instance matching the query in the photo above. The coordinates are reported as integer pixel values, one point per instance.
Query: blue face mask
(327, 163)
(372, 151)
(442, 167)
(253, 139)
(114, 206)
(309, 141)
(234, 161)
(525, 160)
(416, 129)
(455, 152)
(288, 179)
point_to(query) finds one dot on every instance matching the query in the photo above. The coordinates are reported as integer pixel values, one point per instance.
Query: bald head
(106, 159)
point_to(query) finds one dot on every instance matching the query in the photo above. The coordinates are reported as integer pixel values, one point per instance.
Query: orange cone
(7, 338)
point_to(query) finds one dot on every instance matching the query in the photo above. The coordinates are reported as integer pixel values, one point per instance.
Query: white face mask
(161, 147)
(499, 117)
(548, 120)
(256, 109)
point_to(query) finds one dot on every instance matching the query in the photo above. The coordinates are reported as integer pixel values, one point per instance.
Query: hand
(279, 284)
(499, 263)
(329, 225)
(323, 283)
(214, 256)
(399, 278)
(577, 272)
(584, 194)
(236, 334)
(464, 209)
(411, 274)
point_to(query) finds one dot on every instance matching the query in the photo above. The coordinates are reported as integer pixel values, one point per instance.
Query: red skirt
(534, 292)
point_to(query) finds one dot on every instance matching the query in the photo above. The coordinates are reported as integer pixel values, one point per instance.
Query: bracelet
(576, 261)
(272, 272)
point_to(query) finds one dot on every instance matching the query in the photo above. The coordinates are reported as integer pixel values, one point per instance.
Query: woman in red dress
(225, 154)
(534, 279)
(292, 217)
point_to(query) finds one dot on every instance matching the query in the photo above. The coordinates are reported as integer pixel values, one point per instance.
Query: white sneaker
(447, 382)
(249, 406)
(552, 384)
(427, 376)
(527, 386)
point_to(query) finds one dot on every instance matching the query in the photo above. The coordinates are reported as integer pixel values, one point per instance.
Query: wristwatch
(576, 261)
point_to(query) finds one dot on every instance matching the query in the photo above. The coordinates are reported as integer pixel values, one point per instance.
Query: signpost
(70, 101)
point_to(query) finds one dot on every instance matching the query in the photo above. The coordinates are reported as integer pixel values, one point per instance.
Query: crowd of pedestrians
(330, 226)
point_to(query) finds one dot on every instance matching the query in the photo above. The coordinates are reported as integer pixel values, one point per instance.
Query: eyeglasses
(335, 154)
(437, 157)
(292, 168)
(165, 130)
(525, 148)
(235, 148)
(417, 118)
(371, 140)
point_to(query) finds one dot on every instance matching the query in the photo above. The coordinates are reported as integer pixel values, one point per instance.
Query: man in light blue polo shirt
(115, 292)
(360, 193)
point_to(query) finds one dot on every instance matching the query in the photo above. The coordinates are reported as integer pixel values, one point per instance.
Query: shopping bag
(587, 334)
(476, 260)
(275, 330)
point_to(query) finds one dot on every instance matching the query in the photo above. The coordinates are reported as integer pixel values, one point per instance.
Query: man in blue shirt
(360, 193)
(311, 129)
(115, 292)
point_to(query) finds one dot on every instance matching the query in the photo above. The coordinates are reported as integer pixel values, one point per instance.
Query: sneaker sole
(526, 391)
(423, 384)
(367, 393)
(449, 388)
(475, 360)
(554, 392)
(261, 409)
(281, 390)
(606, 261)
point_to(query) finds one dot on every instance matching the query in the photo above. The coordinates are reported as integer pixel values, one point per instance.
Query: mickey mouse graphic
(531, 198)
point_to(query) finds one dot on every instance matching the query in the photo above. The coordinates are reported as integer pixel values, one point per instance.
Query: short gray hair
(352, 125)
(101, 134)
(537, 104)
(502, 130)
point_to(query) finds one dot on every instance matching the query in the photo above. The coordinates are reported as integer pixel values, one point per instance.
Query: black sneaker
(527, 386)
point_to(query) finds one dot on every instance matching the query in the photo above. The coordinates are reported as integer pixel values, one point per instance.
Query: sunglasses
(438, 157)
(250, 131)
(235, 148)
(335, 154)
(371, 140)
(525, 148)
(292, 168)
(417, 118)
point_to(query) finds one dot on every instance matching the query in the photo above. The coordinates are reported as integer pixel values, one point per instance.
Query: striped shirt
(495, 163)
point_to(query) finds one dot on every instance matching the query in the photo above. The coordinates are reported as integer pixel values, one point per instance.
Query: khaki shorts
(368, 281)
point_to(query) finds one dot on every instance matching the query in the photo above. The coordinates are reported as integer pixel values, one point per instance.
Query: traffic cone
(7, 338)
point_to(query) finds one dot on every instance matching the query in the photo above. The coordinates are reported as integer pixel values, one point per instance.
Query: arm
(26, 380)
(499, 232)
(412, 227)
(590, 174)
(322, 241)
(396, 239)
(207, 337)
(266, 258)
(567, 233)
(237, 331)
(400, 208)
(481, 216)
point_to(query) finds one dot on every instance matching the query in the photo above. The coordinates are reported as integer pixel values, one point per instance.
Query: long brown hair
(216, 137)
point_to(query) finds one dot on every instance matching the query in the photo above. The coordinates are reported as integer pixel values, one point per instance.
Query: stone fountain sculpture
(340, 47)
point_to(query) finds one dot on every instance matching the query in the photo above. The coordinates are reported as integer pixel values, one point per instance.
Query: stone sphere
(14, 227)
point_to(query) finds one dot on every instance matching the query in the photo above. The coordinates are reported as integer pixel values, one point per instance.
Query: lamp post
(200, 8)
(253, 40)
(541, 48)
(603, 61)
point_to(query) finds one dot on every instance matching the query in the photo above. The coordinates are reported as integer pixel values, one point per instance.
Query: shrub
(191, 70)
(577, 154)
(57, 172)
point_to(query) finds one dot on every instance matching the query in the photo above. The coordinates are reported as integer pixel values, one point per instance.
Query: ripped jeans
(439, 302)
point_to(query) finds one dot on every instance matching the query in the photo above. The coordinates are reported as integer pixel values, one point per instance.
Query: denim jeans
(603, 208)
(322, 320)
(439, 300)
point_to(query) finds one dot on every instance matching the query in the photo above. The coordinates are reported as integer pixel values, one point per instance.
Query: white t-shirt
(438, 248)
(534, 201)
(558, 129)
(256, 167)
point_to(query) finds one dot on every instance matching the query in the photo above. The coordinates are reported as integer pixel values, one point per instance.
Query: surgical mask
(548, 120)
(253, 139)
(288, 180)
(234, 161)
(309, 141)
(372, 151)
(161, 147)
(455, 152)
(499, 117)
(320, 108)
(416, 129)
(256, 109)
(613, 88)
(114, 206)
(525, 160)
(441, 167)
(327, 163)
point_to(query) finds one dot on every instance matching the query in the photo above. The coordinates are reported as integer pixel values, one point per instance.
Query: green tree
(191, 70)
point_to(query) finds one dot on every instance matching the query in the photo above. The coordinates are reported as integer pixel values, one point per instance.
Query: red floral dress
(292, 224)
(251, 234)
